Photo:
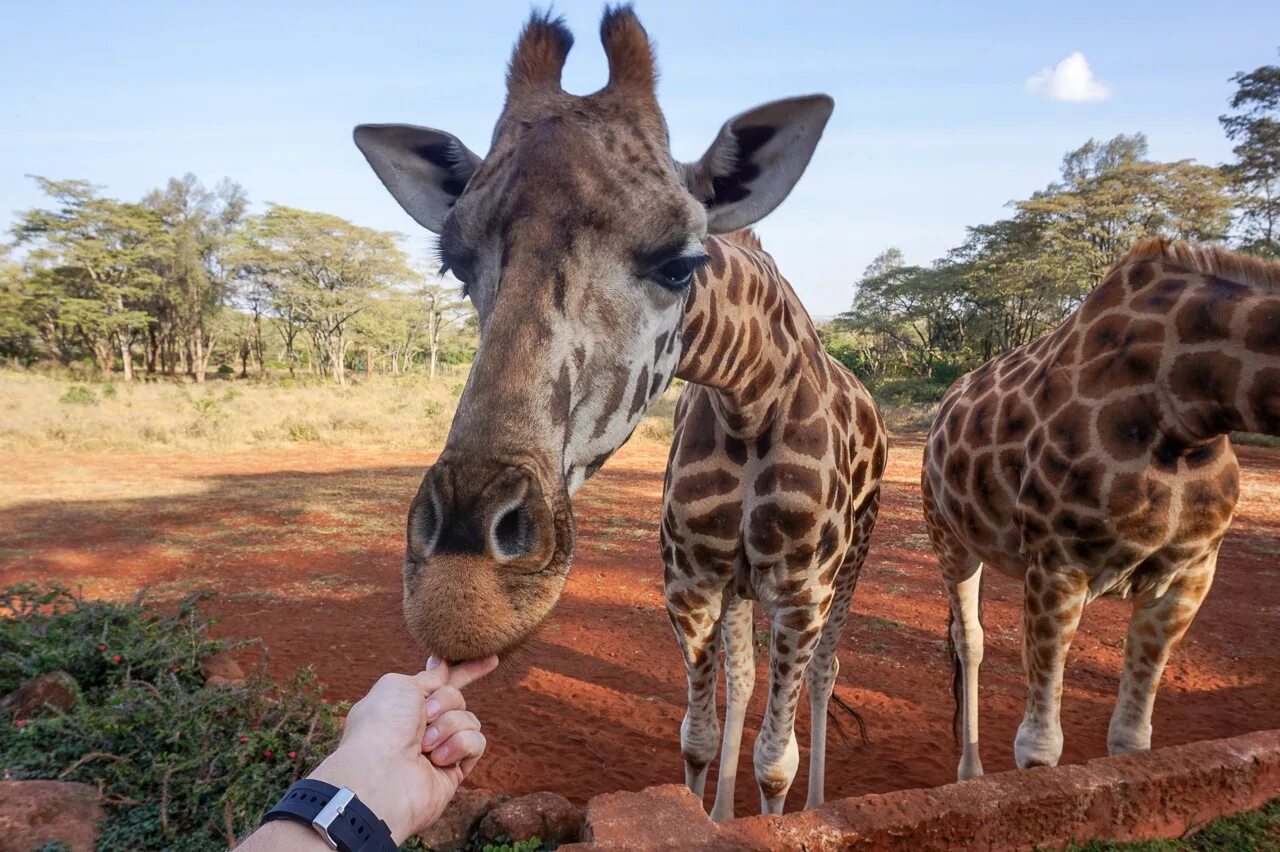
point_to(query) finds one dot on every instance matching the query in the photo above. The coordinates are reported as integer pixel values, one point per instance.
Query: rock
(34, 814)
(459, 819)
(222, 670)
(57, 690)
(549, 816)
(669, 816)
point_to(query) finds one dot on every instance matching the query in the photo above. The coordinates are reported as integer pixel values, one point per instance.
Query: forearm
(284, 835)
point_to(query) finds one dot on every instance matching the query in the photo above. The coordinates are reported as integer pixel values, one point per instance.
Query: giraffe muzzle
(486, 557)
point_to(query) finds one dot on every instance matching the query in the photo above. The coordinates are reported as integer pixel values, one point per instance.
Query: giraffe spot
(1205, 376)
(720, 522)
(735, 449)
(804, 404)
(711, 483)
(1140, 275)
(792, 478)
(980, 424)
(807, 439)
(1054, 390)
(1013, 419)
(1128, 427)
(1105, 296)
(1033, 493)
(1133, 365)
(1158, 298)
(1262, 334)
(985, 488)
(857, 480)
(1069, 430)
(1264, 401)
(789, 523)
(1083, 483)
(711, 558)
(1206, 317)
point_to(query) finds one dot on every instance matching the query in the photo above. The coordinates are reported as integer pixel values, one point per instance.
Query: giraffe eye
(676, 274)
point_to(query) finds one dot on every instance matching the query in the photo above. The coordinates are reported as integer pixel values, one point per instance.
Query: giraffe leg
(967, 640)
(699, 637)
(777, 755)
(821, 675)
(739, 681)
(1051, 614)
(1158, 624)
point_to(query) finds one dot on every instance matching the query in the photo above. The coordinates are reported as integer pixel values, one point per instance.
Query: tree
(320, 271)
(193, 263)
(1254, 125)
(94, 259)
(1110, 197)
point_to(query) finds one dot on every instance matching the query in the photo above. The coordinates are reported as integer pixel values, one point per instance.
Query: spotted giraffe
(1095, 461)
(771, 493)
(590, 256)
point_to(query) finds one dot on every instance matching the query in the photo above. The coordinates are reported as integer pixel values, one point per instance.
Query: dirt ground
(303, 547)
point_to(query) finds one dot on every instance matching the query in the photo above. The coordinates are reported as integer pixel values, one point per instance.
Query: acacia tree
(320, 271)
(193, 265)
(1110, 197)
(94, 262)
(1254, 125)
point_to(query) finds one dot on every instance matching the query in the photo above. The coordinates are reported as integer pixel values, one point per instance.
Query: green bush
(180, 766)
(79, 395)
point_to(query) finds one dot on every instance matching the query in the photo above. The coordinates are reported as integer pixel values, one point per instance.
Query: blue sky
(935, 127)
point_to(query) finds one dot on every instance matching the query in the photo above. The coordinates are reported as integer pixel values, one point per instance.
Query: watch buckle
(330, 812)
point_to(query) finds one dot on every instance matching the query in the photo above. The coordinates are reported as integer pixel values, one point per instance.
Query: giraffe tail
(837, 701)
(957, 678)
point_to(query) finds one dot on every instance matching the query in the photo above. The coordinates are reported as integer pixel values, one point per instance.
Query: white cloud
(1071, 80)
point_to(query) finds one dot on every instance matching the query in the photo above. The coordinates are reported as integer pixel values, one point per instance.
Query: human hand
(408, 744)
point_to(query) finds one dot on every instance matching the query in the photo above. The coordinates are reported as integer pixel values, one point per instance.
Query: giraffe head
(577, 238)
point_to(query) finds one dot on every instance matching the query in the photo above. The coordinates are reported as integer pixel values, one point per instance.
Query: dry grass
(49, 414)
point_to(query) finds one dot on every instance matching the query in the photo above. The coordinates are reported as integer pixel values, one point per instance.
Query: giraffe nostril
(512, 533)
(425, 526)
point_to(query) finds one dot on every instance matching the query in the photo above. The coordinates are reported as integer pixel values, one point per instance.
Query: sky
(944, 112)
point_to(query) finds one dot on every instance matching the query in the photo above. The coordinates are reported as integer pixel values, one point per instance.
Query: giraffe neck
(1216, 362)
(744, 334)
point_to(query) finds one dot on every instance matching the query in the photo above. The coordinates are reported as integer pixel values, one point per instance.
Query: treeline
(917, 328)
(186, 281)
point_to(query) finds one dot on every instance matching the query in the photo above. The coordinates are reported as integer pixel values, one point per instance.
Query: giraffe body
(1094, 461)
(771, 493)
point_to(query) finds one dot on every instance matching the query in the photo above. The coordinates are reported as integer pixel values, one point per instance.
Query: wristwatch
(345, 822)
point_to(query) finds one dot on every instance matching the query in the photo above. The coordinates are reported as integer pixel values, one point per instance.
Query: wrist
(377, 789)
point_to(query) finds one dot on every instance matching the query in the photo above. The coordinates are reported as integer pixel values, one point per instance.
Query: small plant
(301, 431)
(109, 390)
(79, 395)
(431, 409)
(180, 766)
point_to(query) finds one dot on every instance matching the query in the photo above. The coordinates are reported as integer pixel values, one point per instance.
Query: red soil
(303, 549)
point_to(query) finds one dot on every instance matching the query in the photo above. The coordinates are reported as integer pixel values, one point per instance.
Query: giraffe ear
(424, 169)
(756, 160)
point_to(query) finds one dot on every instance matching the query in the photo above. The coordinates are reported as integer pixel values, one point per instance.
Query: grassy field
(52, 414)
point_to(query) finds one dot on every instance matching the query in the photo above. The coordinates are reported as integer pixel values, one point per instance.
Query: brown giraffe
(1095, 461)
(582, 243)
(771, 493)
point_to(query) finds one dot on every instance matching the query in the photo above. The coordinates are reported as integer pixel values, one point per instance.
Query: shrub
(79, 395)
(180, 766)
(300, 430)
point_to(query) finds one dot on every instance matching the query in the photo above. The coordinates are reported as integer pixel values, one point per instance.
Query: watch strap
(344, 821)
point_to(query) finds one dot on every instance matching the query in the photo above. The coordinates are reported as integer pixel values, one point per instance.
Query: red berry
(115, 658)
(266, 752)
(293, 754)
(21, 723)
(244, 739)
(102, 647)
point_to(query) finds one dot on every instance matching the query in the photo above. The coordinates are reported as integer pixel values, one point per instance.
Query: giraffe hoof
(969, 769)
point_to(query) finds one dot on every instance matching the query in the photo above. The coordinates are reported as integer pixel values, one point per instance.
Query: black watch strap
(344, 821)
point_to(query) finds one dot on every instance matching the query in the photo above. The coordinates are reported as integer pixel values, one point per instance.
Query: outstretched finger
(462, 675)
